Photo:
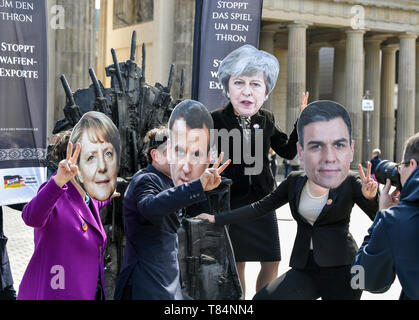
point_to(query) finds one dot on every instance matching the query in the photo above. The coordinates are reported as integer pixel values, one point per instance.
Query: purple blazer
(69, 245)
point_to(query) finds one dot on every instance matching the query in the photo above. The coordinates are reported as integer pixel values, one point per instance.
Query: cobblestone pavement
(20, 244)
(20, 247)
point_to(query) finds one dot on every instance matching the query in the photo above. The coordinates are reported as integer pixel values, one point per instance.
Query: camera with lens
(388, 170)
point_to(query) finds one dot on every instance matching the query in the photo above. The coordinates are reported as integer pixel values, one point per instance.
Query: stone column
(280, 92)
(406, 92)
(183, 45)
(296, 83)
(312, 76)
(387, 93)
(266, 43)
(354, 79)
(372, 84)
(339, 72)
(75, 49)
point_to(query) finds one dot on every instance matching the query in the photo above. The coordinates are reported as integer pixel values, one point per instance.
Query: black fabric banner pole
(196, 49)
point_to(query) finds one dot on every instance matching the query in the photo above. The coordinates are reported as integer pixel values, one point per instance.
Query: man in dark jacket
(177, 177)
(392, 245)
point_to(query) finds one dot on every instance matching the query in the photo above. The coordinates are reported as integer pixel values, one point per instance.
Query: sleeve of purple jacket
(37, 212)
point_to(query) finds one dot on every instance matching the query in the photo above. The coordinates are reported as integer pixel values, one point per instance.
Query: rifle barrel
(67, 90)
(98, 91)
(143, 60)
(118, 70)
(182, 83)
(133, 45)
(169, 82)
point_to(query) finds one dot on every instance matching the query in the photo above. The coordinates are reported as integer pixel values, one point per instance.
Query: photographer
(392, 244)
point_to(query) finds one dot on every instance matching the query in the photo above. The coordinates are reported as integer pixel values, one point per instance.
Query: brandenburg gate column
(312, 76)
(266, 43)
(296, 80)
(339, 72)
(354, 81)
(406, 92)
(388, 83)
(372, 84)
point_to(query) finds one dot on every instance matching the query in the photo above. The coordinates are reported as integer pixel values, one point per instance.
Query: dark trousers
(310, 283)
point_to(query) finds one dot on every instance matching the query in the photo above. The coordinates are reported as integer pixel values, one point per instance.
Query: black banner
(220, 27)
(23, 95)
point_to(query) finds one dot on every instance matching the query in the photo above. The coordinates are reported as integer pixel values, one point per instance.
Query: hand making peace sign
(67, 168)
(211, 178)
(304, 101)
(369, 186)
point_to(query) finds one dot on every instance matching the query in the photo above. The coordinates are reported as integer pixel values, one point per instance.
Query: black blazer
(333, 244)
(247, 189)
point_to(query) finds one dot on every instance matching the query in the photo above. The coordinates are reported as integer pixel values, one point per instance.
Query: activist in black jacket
(257, 241)
(248, 76)
(333, 245)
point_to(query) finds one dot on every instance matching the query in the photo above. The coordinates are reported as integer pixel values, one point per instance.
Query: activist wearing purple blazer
(69, 245)
(67, 262)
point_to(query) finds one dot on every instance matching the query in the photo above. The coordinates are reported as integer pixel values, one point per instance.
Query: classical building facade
(71, 50)
(366, 45)
(365, 36)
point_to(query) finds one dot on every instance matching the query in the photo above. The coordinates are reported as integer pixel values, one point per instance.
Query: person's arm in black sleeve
(258, 209)
(376, 259)
(284, 146)
(370, 207)
(155, 204)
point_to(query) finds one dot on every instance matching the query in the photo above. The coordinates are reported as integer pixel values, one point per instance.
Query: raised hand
(211, 178)
(304, 100)
(67, 168)
(388, 200)
(369, 186)
(115, 194)
(205, 216)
